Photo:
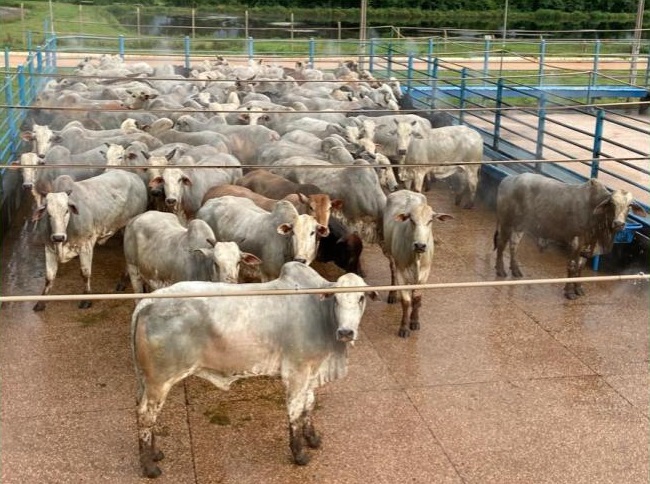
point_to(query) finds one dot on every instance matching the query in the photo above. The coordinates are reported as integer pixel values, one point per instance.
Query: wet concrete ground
(505, 385)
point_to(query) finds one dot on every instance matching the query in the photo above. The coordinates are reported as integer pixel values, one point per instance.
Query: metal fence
(478, 97)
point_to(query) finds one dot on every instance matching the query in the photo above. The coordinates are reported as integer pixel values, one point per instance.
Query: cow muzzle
(28, 186)
(419, 247)
(344, 335)
(170, 202)
(618, 225)
(300, 259)
(58, 238)
(401, 152)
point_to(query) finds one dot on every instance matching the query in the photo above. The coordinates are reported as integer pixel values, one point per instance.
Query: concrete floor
(504, 385)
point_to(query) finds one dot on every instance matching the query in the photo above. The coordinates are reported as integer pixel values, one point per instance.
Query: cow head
(175, 182)
(58, 207)
(320, 206)
(42, 138)
(304, 231)
(227, 259)
(27, 163)
(349, 306)
(403, 133)
(421, 218)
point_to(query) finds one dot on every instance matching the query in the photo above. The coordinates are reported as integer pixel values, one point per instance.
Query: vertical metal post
(598, 141)
(430, 49)
(542, 61)
(371, 59)
(6, 59)
(120, 46)
(594, 78)
(434, 83)
(541, 127)
(250, 47)
(312, 50)
(389, 60)
(463, 93)
(497, 115)
(13, 134)
(22, 98)
(193, 23)
(486, 58)
(29, 41)
(409, 73)
(31, 85)
(186, 46)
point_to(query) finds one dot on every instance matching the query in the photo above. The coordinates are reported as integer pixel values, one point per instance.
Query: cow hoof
(301, 460)
(39, 306)
(392, 297)
(158, 456)
(403, 333)
(579, 291)
(120, 287)
(151, 471)
(414, 325)
(85, 304)
(501, 273)
(570, 295)
(517, 273)
(313, 441)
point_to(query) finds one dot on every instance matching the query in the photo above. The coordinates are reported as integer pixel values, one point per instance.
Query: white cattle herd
(250, 173)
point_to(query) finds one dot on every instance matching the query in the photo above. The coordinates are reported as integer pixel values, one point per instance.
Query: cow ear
(250, 259)
(73, 208)
(211, 241)
(57, 138)
(602, 205)
(303, 198)
(27, 136)
(203, 251)
(443, 217)
(38, 213)
(156, 181)
(337, 204)
(402, 217)
(170, 155)
(145, 154)
(374, 295)
(322, 230)
(285, 229)
(186, 181)
(638, 210)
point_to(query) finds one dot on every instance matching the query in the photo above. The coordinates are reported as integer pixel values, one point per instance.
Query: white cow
(300, 338)
(78, 215)
(159, 252)
(408, 244)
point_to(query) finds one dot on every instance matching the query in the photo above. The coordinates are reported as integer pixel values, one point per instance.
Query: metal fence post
(541, 126)
(542, 60)
(594, 81)
(497, 115)
(389, 60)
(409, 73)
(430, 49)
(186, 48)
(486, 59)
(463, 93)
(6, 59)
(371, 55)
(31, 91)
(434, 83)
(598, 141)
(312, 50)
(120, 43)
(21, 85)
(29, 41)
(250, 47)
(13, 134)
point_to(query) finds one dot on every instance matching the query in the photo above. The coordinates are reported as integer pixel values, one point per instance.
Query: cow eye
(313, 232)
(362, 298)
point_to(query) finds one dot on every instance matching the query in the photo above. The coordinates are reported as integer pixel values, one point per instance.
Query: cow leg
(308, 431)
(579, 290)
(136, 279)
(51, 268)
(515, 238)
(122, 283)
(297, 403)
(501, 238)
(392, 295)
(574, 268)
(404, 331)
(86, 263)
(414, 323)
(148, 410)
